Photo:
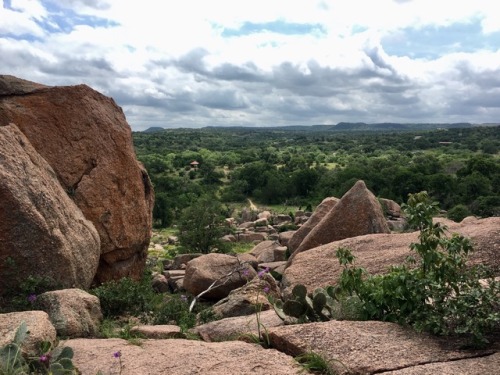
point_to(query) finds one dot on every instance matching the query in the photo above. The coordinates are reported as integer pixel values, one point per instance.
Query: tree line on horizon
(458, 167)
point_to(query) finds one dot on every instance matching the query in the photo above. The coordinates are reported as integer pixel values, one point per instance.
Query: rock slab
(179, 357)
(487, 365)
(368, 347)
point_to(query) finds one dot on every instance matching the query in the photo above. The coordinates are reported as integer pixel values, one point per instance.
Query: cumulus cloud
(198, 63)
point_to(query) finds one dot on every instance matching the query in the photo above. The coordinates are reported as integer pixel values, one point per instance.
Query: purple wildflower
(44, 358)
(266, 289)
(117, 354)
(263, 272)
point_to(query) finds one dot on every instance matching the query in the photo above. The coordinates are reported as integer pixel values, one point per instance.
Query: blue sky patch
(67, 19)
(279, 27)
(433, 42)
(356, 29)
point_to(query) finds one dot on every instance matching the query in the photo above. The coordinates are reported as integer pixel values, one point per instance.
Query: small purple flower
(263, 272)
(266, 289)
(32, 298)
(44, 358)
(117, 354)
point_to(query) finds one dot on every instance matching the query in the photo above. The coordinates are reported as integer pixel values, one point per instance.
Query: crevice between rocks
(90, 167)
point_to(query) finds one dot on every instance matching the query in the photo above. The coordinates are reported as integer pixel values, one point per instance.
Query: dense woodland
(459, 167)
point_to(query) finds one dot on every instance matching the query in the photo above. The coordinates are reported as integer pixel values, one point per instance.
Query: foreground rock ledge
(369, 347)
(179, 357)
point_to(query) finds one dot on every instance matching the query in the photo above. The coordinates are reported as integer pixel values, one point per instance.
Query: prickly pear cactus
(304, 308)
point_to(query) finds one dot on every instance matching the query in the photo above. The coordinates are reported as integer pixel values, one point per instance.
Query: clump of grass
(241, 247)
(316, 363)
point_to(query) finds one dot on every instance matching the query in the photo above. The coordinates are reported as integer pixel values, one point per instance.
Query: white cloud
(197, 62)
(20, 21)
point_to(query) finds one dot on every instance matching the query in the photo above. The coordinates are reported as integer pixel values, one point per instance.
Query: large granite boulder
(268, 251)
(224, 272)
(73, 312)
(85, 138)
(319, 213)
(250, 298)
(357, 213)
(43, 234)
(238, 327)
(376, 253)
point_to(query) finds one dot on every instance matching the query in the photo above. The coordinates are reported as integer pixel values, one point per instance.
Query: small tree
(201, 226)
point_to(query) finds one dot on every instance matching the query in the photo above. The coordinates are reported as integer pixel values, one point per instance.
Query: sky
(196, 63)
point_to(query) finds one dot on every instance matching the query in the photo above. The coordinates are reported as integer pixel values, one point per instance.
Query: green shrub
(175, 309)
(458, 213)
(127, 297)
(434, 292)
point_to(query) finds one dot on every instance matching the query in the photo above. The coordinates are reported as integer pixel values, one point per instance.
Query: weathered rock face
(391, 208)
(227, 271)
(85, 138)
(376, 253)
(323, 208)
(357, 213)
(42, 232)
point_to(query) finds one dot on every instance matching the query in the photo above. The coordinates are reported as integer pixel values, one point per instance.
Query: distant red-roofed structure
(194, 164)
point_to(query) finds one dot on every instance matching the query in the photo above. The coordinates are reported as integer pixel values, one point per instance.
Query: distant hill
(154, 129)
(340, 127)
(385, 126)
(353, 127)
